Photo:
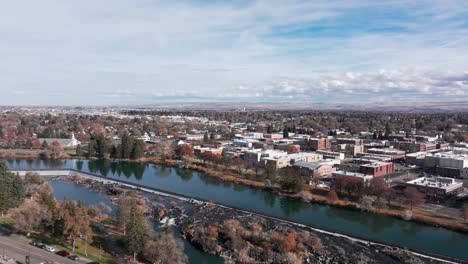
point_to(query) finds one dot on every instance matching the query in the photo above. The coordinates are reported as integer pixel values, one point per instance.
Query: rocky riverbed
(248, 237)
(324, 248)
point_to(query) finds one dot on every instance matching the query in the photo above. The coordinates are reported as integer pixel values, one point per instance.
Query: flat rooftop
(376, 164)
(352, 174)
(450, 155)
(437, 182)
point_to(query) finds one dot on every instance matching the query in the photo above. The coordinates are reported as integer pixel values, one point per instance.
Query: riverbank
(397, 210)
(322, 247)
(393, 209)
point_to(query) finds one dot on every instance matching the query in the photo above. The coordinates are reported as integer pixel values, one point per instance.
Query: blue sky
(130, 52)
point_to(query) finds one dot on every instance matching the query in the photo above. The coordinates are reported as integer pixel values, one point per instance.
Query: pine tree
(138, 149)
(136, 230)
(127, 146)
(388, 130)
(78, 150)
(102, 146)
(91, 148)
(12, 191)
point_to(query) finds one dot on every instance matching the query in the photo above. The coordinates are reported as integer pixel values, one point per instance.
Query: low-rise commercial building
(255, 156)
(394, 154)
(314, 169)
(290, 148)
(331, 154)
(377, 169)
(290, 159)
(318, 143)
(416, 158)
(447, 160)
(436, 186)
(365, 178)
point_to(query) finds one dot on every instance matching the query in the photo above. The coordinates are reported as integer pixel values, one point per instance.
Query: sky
(145, 52)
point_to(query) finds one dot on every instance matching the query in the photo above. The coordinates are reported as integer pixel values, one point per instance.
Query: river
(197, 184)
(72, 191)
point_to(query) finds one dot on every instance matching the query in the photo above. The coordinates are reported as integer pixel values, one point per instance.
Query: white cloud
(405, 84)
(166, 48)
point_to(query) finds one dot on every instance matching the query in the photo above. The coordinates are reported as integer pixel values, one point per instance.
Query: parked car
(37, 244)
(49, 248)
(63, 253)
(73, 257)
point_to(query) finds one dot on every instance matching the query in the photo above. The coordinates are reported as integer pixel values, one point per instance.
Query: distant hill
(454, 106)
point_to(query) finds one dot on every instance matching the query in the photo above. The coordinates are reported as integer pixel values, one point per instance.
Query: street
(17, 250)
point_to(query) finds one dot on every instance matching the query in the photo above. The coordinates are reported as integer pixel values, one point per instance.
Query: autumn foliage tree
(332, 196)
(413, 196)
(251, 243)
(75, 221)
(239, 163)
(165, 249)
(55, 149)
(185, 150)
(30, 215)
(378, 187)
(164, 149)
(350, 185)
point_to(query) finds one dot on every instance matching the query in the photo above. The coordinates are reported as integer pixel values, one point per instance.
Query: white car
(49, 248)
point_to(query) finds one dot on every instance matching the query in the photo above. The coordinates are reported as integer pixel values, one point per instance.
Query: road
(17, 250)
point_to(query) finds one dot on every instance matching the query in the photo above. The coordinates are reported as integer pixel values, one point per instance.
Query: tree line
(101, 146)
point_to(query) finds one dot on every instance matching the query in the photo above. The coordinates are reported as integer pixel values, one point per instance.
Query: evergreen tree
(388, 130)
(116, 152)
(285, 132)
(138, 149)
(78, 150)
(136, 230)
(102, 148)
(12, 191)
(126, 146)
(91, 148)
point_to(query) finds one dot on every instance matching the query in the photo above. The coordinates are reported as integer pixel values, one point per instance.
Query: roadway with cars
(18, 250)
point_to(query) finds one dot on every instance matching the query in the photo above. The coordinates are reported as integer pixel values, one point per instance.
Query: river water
(72, 191)
(197, 184)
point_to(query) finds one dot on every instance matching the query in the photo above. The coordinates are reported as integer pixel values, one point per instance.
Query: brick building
(318, 143)
(377, 169)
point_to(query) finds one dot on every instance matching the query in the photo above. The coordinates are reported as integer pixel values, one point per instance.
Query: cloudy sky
(127, 52)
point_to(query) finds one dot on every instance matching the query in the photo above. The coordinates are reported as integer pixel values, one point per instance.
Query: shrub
(407, 215)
